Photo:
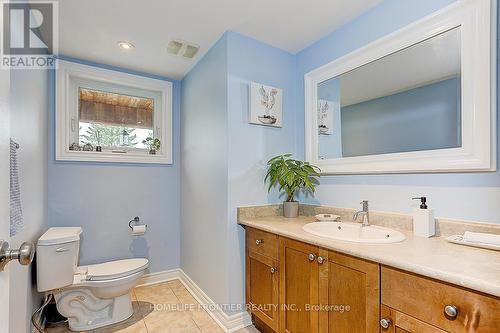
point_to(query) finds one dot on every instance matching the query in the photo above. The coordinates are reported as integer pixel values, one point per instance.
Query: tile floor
(175, 311)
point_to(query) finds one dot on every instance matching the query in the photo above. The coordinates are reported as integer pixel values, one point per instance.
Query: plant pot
(152, 152)
(290, 209)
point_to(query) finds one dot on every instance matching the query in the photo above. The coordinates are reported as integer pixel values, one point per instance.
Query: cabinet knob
(385, 323)
(259, 241)
(311, 257)
(451, 311)
(321, 260)
(274, 270)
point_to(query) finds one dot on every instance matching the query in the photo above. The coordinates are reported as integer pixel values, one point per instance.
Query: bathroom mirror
(418, 100)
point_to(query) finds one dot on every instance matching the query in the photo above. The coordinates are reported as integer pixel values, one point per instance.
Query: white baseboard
(158, 277)
(229, 323)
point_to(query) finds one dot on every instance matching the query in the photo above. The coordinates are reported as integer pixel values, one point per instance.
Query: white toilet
(90, 296)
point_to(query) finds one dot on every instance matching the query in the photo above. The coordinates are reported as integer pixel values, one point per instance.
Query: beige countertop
(474, 268)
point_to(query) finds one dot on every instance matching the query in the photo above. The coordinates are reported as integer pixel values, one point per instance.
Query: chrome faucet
(364, 213)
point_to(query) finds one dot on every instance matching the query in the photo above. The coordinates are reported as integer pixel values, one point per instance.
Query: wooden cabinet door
(262, 288)
(349, 294)
(298, 287)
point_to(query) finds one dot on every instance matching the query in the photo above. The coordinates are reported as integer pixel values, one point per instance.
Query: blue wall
(330, 145)
(473, 196)
(204, 173)
(423, 118)
(103, 197)
(225, 169)
(224, 157)
(251, 146)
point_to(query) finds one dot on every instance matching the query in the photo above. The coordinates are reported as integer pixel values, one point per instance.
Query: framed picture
(325, 117)
(266, 105)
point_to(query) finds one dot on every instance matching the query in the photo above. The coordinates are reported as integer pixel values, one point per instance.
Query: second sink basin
(354, 232)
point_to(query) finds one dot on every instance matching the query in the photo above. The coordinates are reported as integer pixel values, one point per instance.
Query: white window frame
(477, 21)
(70, 76)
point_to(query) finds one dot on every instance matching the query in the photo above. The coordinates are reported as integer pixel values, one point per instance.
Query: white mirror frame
(477, 21)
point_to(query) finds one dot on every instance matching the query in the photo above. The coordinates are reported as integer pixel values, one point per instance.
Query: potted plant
(291, 176)
(153, 144)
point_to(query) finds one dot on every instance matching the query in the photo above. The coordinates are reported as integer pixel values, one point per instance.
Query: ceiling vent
(182, 48)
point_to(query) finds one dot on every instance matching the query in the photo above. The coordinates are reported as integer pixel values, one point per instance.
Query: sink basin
(354, 232)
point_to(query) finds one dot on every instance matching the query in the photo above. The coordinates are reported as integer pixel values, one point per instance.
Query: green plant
(153, 144)
(291, 175)
(107, 135)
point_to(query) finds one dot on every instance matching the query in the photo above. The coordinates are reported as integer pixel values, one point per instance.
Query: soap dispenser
(423, 219)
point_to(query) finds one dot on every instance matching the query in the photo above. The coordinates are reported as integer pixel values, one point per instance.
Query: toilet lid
(115, 269)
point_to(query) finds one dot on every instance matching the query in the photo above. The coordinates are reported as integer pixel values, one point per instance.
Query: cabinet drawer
(426, 299)
(262, 242)
(402, 323)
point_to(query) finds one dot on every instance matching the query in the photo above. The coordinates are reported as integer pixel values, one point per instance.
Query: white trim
(229, 323)
(69, 72)
(477, 20)
(159, 277)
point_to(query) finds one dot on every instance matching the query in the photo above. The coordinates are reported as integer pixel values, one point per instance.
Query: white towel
(16, 212)
(480, 237)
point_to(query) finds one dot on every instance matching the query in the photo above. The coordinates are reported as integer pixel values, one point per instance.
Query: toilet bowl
(90, 296)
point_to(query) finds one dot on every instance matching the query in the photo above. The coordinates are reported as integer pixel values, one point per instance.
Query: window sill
(110, 157)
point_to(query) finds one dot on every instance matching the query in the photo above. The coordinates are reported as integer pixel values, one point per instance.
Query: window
(114, 121)
(109, 116)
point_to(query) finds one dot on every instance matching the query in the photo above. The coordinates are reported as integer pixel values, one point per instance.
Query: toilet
(89, 296)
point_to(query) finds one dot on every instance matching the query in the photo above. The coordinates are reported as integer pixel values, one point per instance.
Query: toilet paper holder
(135, 220)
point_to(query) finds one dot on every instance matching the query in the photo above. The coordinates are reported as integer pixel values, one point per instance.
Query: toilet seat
(114, 269)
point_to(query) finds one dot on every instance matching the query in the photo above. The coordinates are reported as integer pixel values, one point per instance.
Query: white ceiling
(433, 60)
(89, 29)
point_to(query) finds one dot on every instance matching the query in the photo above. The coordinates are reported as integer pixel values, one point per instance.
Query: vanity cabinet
(296, 287)
(320, 291)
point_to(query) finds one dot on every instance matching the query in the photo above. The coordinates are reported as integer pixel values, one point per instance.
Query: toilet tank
(57, 257)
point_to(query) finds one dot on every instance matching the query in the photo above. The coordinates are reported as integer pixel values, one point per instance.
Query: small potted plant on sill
(153, 144)
(291, 176)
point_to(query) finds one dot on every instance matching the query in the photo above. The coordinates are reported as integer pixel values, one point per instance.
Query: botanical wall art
(325, 117)
(266, 105)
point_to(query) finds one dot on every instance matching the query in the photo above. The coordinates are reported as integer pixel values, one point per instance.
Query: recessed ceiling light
(125, 45)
